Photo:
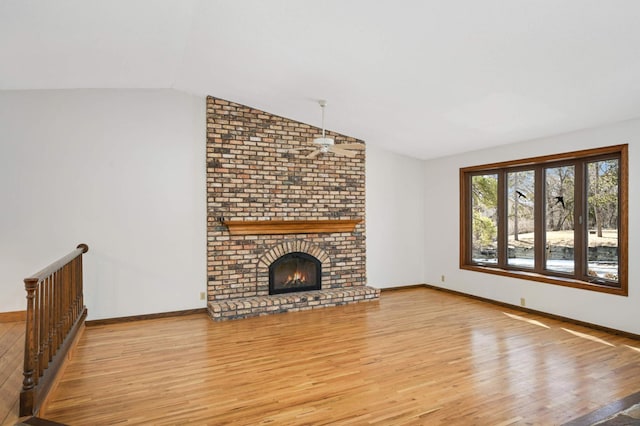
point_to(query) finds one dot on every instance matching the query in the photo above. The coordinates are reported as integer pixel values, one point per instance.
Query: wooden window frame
(538, 163)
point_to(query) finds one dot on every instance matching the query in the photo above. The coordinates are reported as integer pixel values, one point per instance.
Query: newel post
(28, 384)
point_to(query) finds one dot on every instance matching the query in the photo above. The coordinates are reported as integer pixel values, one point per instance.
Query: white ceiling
(421, 78)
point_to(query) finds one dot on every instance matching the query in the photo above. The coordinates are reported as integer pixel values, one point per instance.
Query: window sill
(532, 276)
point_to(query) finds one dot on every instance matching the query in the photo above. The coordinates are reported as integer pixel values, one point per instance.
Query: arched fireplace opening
(294, 272)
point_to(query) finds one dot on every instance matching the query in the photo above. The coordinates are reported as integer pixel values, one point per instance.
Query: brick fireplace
(266, 201)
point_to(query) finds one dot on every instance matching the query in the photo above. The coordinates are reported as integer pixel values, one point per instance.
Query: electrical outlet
(203, 295)
(522, 302)
(442, 278)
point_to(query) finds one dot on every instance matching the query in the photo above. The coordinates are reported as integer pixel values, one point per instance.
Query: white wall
(124, 171)
(120, 170)
(395, 219)
(442, 233)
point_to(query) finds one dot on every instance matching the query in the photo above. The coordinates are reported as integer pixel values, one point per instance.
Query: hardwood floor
(417, 356)
(11, 363)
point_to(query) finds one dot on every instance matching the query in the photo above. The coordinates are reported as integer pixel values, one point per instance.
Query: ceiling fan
(326, 144)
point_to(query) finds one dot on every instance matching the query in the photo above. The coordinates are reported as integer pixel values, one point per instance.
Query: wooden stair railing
(55, 314)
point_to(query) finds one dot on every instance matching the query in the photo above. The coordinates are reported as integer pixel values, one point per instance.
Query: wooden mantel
(272, 227)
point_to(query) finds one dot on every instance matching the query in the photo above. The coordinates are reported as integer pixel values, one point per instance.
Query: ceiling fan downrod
(323, 104)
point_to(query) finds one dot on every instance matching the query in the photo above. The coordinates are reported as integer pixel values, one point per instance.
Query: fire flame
(297, 276)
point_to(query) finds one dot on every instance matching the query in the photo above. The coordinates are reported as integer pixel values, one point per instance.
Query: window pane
(602, 222)
(559, 219)
(520, 210)
(484, 208)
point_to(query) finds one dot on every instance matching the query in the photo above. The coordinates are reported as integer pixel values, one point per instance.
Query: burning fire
(297, 277)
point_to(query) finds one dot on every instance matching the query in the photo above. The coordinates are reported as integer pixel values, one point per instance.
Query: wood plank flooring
(11, 364)
(417, 356)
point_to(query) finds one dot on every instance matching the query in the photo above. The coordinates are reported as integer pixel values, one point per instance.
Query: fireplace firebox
(294, 272)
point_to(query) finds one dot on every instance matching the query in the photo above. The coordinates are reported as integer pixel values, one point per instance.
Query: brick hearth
(252, 174)
(301, 301)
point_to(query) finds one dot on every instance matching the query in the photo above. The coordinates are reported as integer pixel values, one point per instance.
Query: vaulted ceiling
(422, 78)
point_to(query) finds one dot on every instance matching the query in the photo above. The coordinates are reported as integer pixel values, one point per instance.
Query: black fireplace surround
(294, 272)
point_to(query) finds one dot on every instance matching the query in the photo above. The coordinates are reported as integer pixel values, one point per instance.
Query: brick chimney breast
(253, 175)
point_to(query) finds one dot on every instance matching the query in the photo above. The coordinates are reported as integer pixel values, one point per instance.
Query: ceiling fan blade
(313, 154)
(340, 151)
(350, 145)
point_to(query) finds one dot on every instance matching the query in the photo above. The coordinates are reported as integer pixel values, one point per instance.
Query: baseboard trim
(541, 313)
(401, 287)
(117, 320)
(15, 316)
(384, 290)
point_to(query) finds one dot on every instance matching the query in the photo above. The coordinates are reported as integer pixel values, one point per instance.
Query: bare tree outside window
(560, 229)
(520, 213)
(484, 189)
(559, 219)
(602, 208)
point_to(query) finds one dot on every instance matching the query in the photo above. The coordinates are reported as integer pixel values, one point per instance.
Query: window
(558, 219)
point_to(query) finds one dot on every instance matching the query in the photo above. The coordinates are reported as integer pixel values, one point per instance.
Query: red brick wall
(251, 175)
